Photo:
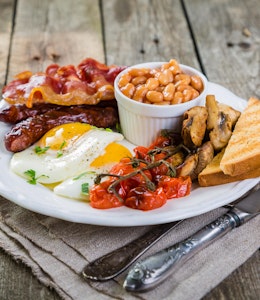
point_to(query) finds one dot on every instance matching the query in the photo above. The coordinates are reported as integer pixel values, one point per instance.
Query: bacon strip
(27, 132)
(88, 83)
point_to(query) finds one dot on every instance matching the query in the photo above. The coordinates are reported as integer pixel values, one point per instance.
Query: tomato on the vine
(101, 198)
(160, 142)
(143, 182)
(175, 187)
(142, 198)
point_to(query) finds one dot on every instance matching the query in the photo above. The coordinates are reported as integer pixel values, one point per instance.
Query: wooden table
(222, 38)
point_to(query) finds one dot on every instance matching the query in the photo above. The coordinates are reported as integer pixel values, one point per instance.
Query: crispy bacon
(88, 83)
(27, 132)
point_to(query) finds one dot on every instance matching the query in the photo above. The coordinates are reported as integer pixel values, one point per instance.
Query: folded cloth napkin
(57, 251)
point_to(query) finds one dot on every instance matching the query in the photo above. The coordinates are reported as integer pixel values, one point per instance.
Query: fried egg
(70, 156)
(78, 186)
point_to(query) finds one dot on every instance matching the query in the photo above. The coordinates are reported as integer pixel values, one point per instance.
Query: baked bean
(154, 97)
(165, 66)
(165, 77)
(196, 82)
(160, 88)
(183, 86)
(128, 90)
(152, 83)
(174, 67)
(164, 85)
(195, 94)
(177, 98)
(139, 80)
(182, 79)
(138, 72)
(140, 93)
(187, 95)
(124, 79)
(168, 92)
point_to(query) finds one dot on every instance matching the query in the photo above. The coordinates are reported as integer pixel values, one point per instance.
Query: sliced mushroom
(221, 120)
(189, 165)
(230, 111)
(213, 110)
(194, 126)
(205, 156)
(196, 162)
(177, 159)
(221, 133)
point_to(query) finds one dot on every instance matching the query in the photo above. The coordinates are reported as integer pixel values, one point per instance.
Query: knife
(115, 262)
(151, 271)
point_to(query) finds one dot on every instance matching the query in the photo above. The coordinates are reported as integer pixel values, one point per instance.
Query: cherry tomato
(160, 141)
(143, 199)
(101, 198)
(141, 152)
(175, 187)
(162, 169)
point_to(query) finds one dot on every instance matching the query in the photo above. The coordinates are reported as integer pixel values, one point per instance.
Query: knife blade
(151, 271)
(115, 262)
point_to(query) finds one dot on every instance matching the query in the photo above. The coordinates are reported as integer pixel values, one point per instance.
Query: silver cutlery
(115, 262)
(151, 271)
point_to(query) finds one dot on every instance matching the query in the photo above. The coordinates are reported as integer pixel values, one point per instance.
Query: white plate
(41, 200)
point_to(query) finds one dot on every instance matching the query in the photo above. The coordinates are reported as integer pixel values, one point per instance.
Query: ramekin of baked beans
(154, 96)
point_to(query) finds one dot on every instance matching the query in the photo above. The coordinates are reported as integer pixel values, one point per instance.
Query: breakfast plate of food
(53, 168)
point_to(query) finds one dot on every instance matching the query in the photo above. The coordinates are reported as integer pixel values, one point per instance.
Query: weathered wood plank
(55, 32)
(140, 31)
(243, 283)
(227, 34)
(6, 20)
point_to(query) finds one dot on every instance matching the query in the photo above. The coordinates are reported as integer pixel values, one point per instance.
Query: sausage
(16, 113)
(27, 132)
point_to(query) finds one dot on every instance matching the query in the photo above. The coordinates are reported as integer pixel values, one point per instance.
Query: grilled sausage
(27, 132)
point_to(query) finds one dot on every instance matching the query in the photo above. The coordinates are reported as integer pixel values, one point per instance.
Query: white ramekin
(140, 122)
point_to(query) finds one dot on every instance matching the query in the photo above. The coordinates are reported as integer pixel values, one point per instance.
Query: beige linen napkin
(57, 250)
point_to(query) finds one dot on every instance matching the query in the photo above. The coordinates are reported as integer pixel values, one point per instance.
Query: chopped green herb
(85, 188)
(32, 176)
(40, 150)
(83, 174)
(60, 153)
(108, 129)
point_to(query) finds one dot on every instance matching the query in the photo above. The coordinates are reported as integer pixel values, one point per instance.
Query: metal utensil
(115, 262)
(149, 272)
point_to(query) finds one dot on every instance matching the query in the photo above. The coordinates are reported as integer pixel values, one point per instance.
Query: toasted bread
(213, 175)
(242, 153)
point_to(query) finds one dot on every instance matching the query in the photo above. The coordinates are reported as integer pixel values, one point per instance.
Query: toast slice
(242, 153)
(213, 175)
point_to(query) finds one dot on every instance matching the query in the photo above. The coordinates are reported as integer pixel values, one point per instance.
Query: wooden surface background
(220, 37)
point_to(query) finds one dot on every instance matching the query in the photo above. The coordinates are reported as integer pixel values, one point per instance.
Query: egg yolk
(113, 153)
(59, 136)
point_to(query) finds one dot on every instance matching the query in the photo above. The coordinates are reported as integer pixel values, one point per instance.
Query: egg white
(75, 159)
(73, 187)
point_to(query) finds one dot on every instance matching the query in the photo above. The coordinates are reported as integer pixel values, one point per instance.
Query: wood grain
(139, 31)
(229, 56)
(6, 25)
(44, 27)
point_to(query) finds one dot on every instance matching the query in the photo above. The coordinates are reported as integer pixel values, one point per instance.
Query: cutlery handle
(149, 272)
(115, 262)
